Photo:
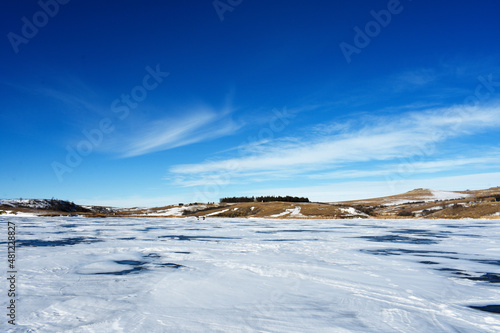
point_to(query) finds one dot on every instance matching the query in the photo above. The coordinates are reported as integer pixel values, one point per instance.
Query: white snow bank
(447, 195)
(218, 212)
(436, 195)
(20, 214)
(174, 211)
(295, 212)
(353, 211)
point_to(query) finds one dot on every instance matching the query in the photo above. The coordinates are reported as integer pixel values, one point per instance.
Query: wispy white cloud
(194, 126)
(380, 139)
(413, 79)
(78, 98)
(413, 167)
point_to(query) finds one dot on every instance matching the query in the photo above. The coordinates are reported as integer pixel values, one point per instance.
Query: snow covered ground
(353, 212)
(79, 274)
(295, 212)
(433, 196)
(446, 195)
(14, 213)
(174, 211)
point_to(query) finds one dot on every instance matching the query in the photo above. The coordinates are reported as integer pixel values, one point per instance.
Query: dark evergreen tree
(268, 198)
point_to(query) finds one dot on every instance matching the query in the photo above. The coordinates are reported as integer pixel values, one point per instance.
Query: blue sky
(150, 103)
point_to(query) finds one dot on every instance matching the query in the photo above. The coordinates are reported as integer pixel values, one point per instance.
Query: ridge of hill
(48, 206)
(416, 195)
(418, 203)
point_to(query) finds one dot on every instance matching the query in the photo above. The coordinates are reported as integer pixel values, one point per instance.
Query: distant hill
(418, 203)
(49, 207)
(435, 204)
(416, 195)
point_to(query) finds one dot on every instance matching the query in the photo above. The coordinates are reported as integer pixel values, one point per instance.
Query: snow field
(255, 275)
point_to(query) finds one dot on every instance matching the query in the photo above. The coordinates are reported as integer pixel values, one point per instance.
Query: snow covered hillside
(417, 195)
(26, 203)
(32, 206)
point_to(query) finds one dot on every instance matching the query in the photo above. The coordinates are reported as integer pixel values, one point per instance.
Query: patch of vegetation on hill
(196, 210)
(239, 212)
(237, 199)
(268, 198)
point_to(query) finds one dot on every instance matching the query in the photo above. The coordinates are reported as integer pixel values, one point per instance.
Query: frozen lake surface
(254, 275)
